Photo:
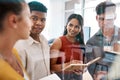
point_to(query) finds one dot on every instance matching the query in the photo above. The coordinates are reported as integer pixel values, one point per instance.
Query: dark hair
(37, 6)
(100, 9)
(7, 6)
(79, 37)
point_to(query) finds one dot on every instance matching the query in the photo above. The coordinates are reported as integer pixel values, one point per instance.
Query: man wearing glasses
(34, 52)
(105, 37)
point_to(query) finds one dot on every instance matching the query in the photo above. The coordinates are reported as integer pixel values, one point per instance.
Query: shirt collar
(31, 41)
(99, 33)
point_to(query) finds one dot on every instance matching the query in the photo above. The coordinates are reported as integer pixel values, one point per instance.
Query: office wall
(55, 25)
(59, 10)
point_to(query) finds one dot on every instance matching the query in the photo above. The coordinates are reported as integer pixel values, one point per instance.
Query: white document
(51, 77)
(80, 66)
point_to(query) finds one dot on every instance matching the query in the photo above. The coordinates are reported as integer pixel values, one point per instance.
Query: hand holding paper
(80, 66)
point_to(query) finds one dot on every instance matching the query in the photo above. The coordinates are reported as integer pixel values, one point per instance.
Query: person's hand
(79, 70)
(116, 47)
(99, 75)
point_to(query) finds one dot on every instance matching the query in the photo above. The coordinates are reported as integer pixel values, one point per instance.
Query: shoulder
(21, 46)
(56, 44)
(43, 38)
(20, 43)
(94, 38)
(62, 37)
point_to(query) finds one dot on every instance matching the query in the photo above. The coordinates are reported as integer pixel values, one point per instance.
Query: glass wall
(90, 14)
(59, 10)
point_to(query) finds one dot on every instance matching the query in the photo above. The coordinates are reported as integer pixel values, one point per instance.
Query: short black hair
(37, 6)
(100, 8)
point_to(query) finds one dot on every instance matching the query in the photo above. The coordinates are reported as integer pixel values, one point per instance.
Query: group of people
(32, 58)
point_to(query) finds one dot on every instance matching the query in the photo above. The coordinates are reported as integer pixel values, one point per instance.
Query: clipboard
(72, 67)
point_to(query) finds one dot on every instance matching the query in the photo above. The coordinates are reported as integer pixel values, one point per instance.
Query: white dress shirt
(35, 57)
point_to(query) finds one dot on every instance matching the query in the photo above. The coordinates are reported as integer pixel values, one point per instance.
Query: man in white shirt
(34, 52)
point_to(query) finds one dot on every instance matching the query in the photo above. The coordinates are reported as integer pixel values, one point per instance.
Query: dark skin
(39, 20)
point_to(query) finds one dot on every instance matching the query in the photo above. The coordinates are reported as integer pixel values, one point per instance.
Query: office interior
(59, 10)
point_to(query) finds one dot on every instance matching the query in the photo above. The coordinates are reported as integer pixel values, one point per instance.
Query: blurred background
(59, 10)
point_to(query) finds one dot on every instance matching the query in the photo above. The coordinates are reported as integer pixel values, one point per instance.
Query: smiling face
(73, 28)
(39, 20)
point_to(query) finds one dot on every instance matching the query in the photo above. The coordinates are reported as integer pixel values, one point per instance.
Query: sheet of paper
(51, 77)
(80, 66)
